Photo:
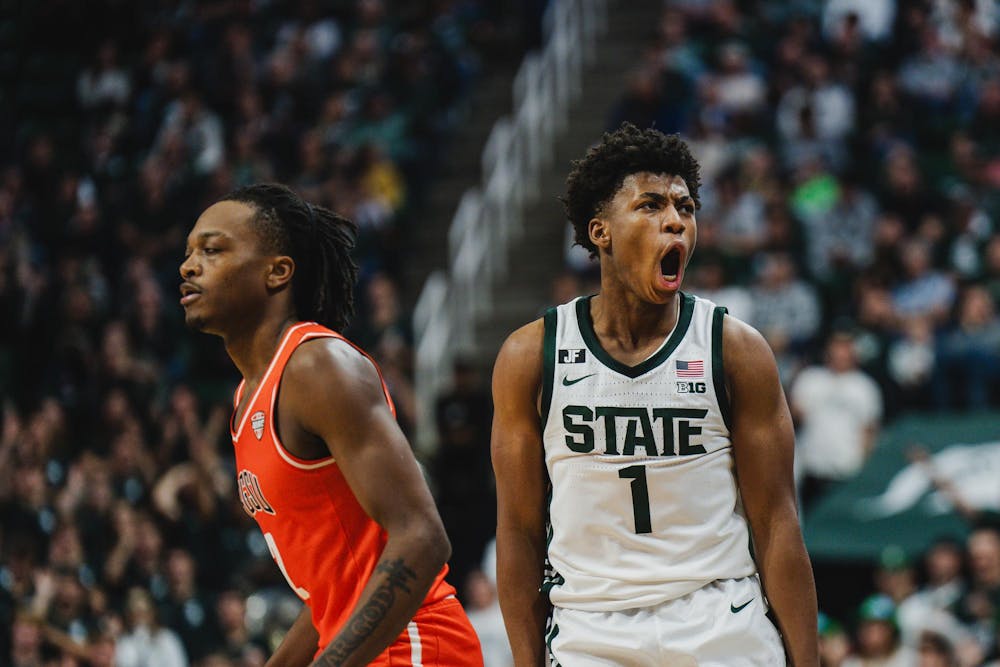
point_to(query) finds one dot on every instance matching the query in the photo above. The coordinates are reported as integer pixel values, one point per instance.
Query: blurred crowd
(938, 610)
(120, 539)
(850, 169)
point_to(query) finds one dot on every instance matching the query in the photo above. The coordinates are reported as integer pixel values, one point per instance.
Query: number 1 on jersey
(640, 497)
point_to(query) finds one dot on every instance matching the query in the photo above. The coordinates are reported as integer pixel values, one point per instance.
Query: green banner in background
(893, 499)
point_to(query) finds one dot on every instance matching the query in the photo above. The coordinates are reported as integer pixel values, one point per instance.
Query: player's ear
(600, 234)
(280, 271)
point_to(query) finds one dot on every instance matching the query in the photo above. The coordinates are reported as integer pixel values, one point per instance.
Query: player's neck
(623, 317)
(253, 348)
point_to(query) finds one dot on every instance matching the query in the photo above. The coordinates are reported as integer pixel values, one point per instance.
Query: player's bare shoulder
(750, 365)
(745, 351)
(520, 360)
(330, 371)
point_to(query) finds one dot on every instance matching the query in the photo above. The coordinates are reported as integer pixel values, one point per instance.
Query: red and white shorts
(439, 635)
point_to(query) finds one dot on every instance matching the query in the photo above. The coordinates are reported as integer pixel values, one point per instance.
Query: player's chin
(664, 291)
(195, 321)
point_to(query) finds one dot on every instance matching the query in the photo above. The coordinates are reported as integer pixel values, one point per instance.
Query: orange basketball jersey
(319, 535)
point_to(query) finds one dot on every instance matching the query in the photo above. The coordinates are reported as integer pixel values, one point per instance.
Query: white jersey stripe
(416, 649)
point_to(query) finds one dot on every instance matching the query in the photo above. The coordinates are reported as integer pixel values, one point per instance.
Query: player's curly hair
(317, 239)
(595, 179)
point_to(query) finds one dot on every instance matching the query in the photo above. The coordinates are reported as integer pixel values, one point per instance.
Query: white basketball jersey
(644, 505)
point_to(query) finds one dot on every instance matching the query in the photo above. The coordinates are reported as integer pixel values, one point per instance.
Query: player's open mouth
(670, 265)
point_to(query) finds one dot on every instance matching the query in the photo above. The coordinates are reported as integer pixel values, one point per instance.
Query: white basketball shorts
(723, 624)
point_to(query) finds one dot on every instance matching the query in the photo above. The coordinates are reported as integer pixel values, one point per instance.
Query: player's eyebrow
(204, 236)
(655, 196)
(661, 199)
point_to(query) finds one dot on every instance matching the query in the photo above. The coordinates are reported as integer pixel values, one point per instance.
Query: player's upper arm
(336, 394)
(762, 433)
(518, 455)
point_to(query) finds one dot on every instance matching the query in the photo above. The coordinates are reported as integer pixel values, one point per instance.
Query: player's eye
(210, 251)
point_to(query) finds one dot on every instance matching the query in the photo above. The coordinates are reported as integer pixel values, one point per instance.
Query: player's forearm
(788, 582)
(519, 577)
(399, 584)
(299, 645)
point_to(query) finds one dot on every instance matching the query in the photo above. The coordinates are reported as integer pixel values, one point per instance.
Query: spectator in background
(644, 102)
(198, 130)
(934, 650)
(991, 267)
(742, 212)
(877, 636)
(742, 92)
(911, 363)
(979, 605)
(105, 85)
(916, 613)
(932, 608)
(839, 240)
(874, 16)
(931, 75)
(387, 333)
(185, 608)
(146, 643)
(834, 644)
(815, 117)
(786, 310)
(237, 642)
(709, 282)
(969, 354)
(484, 614)
(462, 467)
(923, 291)
(27, 638)
(904, 189)
(838, 410)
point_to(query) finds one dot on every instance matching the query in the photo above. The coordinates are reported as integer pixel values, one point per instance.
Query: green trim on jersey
(550, 577)
(548, 362)
(718, 371)
(594, 345)
(551, 634)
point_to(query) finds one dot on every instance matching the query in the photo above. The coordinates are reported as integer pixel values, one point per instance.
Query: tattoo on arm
(364, 621)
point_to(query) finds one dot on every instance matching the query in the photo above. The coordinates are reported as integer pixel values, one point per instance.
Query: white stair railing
(488, 220)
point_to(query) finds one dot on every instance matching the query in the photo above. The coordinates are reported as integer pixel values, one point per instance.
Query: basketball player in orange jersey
(322, 465)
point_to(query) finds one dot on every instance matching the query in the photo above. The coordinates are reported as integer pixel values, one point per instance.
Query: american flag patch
(691, 369)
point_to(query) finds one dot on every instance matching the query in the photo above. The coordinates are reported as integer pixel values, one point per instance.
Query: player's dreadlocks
(595, 179)
(317, 239)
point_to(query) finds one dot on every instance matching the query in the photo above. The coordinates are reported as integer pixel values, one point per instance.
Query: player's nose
(672, 222)
(188, 267)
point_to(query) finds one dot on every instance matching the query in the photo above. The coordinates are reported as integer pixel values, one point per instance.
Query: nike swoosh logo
(567, 382)
(743, 606)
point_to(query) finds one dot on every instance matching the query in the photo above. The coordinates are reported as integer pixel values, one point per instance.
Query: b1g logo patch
(572, 356)
(257, 423)
(691, 388)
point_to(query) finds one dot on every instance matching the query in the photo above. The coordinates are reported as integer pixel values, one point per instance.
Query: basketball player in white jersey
(643, 450)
